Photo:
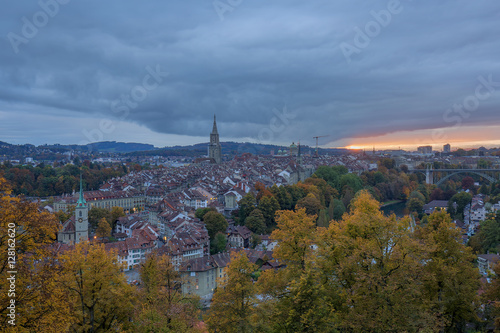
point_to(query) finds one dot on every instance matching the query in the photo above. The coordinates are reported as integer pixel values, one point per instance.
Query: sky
(356, 73)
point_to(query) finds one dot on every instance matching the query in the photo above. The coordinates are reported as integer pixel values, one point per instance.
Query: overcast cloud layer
(244, 61)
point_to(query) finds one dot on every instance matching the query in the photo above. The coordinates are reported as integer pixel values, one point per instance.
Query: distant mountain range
(141, 149)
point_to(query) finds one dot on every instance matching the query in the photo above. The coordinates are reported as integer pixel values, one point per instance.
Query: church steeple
(81, 200)
(214, 129)
(214, 148)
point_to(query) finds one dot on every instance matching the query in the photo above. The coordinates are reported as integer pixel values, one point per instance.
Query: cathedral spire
(81, 200)
(214, 129)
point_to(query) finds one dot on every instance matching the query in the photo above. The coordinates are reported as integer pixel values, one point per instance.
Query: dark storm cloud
(261, 56)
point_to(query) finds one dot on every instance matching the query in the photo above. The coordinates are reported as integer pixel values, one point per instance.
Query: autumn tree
(371, 266)
(99, 297)
(25, 238)
(233, 303)
(161, 305)
(310, 203)
(103, 229)
(64, 216)
(293, 299)
(468, 183)
(450, 279)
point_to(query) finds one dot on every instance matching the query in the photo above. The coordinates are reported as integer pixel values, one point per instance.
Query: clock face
(80, 220)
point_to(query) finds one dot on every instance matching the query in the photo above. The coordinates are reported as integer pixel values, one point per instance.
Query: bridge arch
(485, 176)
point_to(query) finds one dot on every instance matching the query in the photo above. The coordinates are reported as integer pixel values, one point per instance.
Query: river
(396, 208)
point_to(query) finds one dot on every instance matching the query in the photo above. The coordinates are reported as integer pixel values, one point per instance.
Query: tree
(62, 216)
(462, 199)
(451, 280)
(215, 222)
(162, 307)
(484, 189)
(25, 236)
(491, 298)
(103, 229)
(371, 267)
(246, 206)
(336, 209)
(116, 212)
(295, 235)
(488, 237)
(218, 244)
(415, 205)
(256, 222)
(351, 180)
(200, 212)
(99, 296)
(293, 297)
(323, 219)
(233, 303)
(268, 206)
(96, 214)
(468, 183)
(310, 203)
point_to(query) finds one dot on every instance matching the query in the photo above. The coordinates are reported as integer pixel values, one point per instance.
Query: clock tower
(81, 217)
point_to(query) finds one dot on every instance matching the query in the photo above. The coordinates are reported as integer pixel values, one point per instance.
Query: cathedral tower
(81, 217)
(214, 148)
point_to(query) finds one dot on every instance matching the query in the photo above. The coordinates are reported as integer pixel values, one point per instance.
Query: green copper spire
(81, 200)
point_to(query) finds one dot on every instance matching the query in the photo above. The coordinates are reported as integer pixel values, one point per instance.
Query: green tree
(351, 180)
(256, 222)
(96, 214)
(200, 212)
(246, 205)
(215, 222)
(268, 206)
(462, 199)
(336, 209)
(218, 244)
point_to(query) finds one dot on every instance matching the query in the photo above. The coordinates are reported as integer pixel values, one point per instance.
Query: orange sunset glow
(464, 137)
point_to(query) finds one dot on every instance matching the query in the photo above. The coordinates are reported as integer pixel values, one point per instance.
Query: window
(80, 213)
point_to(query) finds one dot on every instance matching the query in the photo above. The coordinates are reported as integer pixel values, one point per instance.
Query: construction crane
(317, 137)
